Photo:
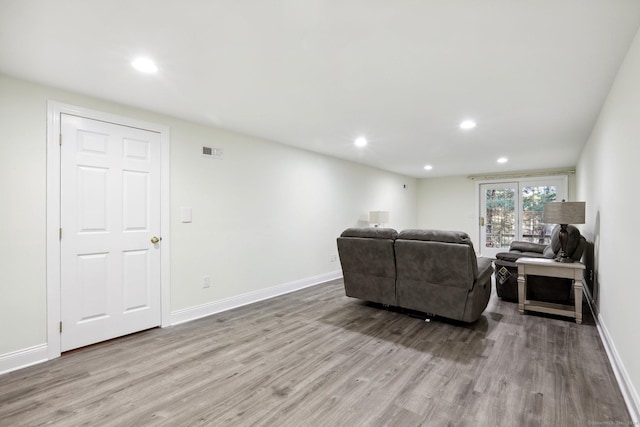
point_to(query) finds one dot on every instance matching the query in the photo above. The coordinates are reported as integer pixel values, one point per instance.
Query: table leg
(522, 289)
(577, 296)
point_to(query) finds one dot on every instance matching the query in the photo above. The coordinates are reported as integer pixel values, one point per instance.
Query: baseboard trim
(204, 310)
(629, 393)
(23, 358)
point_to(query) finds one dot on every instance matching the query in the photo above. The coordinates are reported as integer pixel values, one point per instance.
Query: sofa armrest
(515, 255)
(485, 270)
(527, 247)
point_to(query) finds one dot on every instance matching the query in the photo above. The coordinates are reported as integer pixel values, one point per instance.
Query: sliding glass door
(512, 210)
(533, 198)
(498, 220)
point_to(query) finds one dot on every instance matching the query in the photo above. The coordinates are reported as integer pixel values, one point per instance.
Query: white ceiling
(318, 73)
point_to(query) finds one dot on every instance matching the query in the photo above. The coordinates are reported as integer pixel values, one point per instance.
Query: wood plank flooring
(317, 358)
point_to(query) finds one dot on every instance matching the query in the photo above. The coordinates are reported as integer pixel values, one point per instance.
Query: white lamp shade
(378, 217)
(564, 213)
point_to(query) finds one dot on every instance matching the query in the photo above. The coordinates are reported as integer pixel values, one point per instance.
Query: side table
(550, 268)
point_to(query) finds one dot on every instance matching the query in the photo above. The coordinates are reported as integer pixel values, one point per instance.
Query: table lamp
(378, 218)
(563, 213)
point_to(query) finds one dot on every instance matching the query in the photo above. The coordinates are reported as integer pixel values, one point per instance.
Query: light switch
(185, 214)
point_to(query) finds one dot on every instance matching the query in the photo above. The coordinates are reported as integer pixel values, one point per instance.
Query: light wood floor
(318, 358)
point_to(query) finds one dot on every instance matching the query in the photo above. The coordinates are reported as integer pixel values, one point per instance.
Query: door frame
(564, 177)
(54, 110)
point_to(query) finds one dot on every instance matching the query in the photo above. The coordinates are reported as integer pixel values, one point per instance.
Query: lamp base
(563, 236)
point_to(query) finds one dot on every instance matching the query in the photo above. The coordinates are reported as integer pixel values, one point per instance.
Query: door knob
(155, 239)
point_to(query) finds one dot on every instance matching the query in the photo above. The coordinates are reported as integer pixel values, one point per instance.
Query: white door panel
(498, 204)
(110, 210)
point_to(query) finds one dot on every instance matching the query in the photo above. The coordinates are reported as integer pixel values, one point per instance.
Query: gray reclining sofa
(431, 271)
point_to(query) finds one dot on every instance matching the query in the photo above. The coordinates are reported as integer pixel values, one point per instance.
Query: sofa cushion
(446, 264)
(371, 232)
(435, 236)
(445, 242)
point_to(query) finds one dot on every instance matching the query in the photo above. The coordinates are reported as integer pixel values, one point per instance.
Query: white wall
(608, 180)
(266, 215)
(448, 204)
(23, 310)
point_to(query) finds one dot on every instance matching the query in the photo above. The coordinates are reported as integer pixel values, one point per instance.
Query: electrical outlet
(206, 282)
(333, 258)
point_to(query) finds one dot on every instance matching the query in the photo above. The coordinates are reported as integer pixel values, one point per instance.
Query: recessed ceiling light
(144, 65)
(503, 160)
(361, 141)
(428, 167)
(467, 124)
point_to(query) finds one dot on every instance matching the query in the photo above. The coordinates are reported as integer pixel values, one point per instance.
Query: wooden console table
(550, 268)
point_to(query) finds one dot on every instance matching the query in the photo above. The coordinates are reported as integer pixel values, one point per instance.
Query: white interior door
(110, 212)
